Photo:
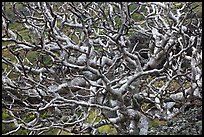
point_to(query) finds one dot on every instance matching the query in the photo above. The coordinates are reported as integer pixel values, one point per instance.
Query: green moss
(24, 34)
(107, 129)
(74, 38)
(7, 43)
(159, 83)
(132, 7)
(5, 114)
(7, 127)
(21, 131)
(118, 22)
(174, 85)
(15, 26)
(137, 17)
(51, 132)
(7, 53)
(32, 56)
(11, 126)
(157, 123)
(164, 133)
(199, 123)
(66, 133)
(198, 8)
(187, 85)
(146, 106)
(44, 115)
(178, 5)
(93, 114)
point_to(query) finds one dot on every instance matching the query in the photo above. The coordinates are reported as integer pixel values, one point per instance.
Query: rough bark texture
(132, 62)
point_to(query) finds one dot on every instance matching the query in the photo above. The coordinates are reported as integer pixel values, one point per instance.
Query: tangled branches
(128, 61)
